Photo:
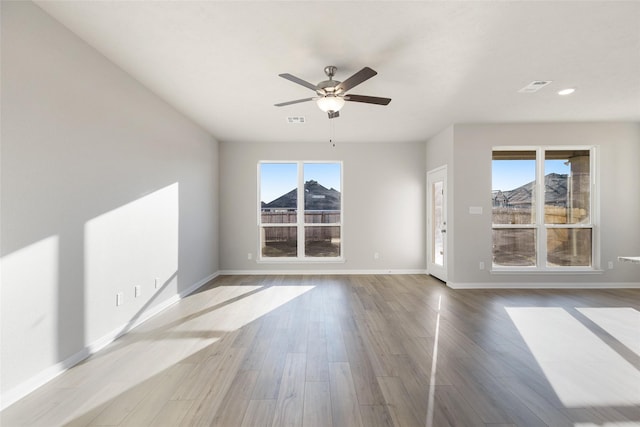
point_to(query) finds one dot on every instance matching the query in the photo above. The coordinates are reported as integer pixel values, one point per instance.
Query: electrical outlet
(136, 291)
(481, 265)
(249, 256)
(610, 265)
(119, 297)
(376, 255)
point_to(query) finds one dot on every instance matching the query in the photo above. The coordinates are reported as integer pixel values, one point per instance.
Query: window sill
(536, 272)
(301, 261)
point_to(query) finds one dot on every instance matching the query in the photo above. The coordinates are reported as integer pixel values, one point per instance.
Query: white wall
(439, 152)
(104, 187)
(383, 196)
(619, 175)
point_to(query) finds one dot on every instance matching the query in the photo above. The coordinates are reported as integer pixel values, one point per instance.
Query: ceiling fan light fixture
(330, 103)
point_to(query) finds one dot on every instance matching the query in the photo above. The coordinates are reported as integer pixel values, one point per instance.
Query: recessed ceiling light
(567, 91)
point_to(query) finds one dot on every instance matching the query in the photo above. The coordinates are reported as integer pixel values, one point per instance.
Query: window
(300, 210)
(542, 211)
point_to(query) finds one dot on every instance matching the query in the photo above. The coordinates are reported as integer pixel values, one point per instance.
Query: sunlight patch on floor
(247, 309)
(221, 294)
(162, 348)
(622, 323)
(582, 369)
(434, 363)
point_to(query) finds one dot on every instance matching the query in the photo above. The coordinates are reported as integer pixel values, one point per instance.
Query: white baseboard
(314, 272)
(13, 395)
(544, 285)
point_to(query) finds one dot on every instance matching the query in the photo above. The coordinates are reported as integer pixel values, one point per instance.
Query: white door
(437, 223)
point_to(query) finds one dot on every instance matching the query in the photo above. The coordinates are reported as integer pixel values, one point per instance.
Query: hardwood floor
(342, 351)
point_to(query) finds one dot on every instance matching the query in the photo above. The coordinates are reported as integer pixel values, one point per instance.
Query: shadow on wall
(59, 292)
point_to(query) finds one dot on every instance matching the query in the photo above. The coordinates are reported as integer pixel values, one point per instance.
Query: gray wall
(619, 176)
(104, 186)
(383, 196)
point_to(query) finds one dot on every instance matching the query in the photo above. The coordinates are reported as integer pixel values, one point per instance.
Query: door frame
(434, 175)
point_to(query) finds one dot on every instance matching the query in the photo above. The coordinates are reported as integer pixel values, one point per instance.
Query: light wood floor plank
(259, 413)
(398, 398)
(270, 377)
(149, 407)
(317, 405)
(206, 405)
(290, 404)
(450, 409)
(355, 350)
(317, 357)
(376, 416)
(172, 413)
(344, 402)
(235, 403)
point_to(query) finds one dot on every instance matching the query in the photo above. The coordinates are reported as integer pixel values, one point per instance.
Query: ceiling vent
(534, 86)
(295, 120)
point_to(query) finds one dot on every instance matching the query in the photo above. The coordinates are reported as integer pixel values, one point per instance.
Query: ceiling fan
(332, 93)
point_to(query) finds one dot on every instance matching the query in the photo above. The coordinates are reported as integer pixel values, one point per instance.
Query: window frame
(540, 227)
(300, 223)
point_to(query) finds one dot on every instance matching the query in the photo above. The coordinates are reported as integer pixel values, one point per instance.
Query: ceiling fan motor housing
(327, 86)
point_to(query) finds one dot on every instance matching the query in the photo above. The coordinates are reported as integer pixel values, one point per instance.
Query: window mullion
(541, 244)
(594, 209)
(301, 212)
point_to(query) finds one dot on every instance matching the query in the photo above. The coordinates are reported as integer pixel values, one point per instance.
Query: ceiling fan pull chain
(332, 133)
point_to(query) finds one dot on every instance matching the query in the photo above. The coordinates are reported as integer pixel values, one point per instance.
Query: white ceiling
(440, 62)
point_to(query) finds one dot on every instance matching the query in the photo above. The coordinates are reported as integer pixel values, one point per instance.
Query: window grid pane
(278, 193)
(514, 247)
(322, 241)
(322, 197)
(569, 247)
(567, 187)
(513, 187)
(279, 241)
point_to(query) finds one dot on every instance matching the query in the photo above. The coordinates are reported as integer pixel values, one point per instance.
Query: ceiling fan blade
(367, 99)
(365, 74)
(301, 82)
(333, 114)
(282, 104)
